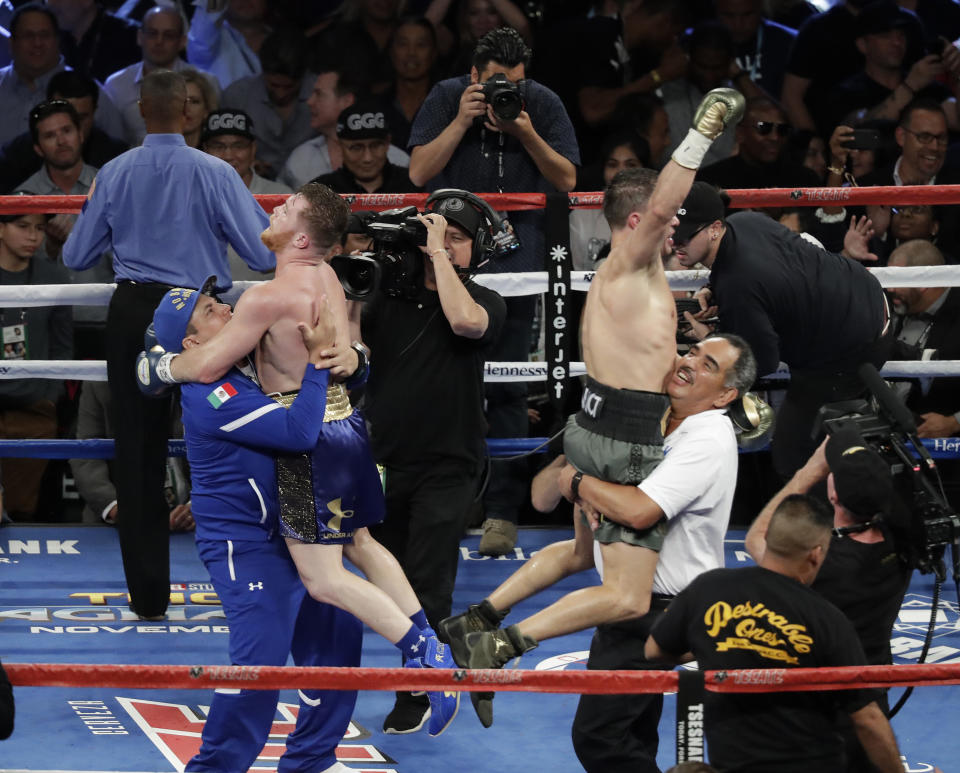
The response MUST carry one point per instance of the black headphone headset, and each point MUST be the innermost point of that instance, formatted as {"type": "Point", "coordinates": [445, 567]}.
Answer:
{"type": "Point", "coordinates": [494, 238]}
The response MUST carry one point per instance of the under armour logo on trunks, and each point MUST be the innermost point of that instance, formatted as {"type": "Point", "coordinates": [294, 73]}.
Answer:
{"type": "Point", "coordinates": [591, 403]}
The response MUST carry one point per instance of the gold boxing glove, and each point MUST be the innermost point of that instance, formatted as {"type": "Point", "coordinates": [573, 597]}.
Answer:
{"type": "Point", "coordinates": [753, 420]}
{"type": "Point", "coordinates": [718, 109]}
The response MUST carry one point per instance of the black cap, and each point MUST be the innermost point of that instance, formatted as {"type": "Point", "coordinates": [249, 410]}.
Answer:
{"type": "Point", "coordinates": [703, 205]}
{"type": "Point", "coordinates": [863, 481]}
{"type": "Point", "coordinates": [228, 122]}
{"type": "Point", "coordinates": [459, 211]}
{"type": "Point", "coordinates": [881, 16]}
{"type": "Point", "coordinates": [364, 120]}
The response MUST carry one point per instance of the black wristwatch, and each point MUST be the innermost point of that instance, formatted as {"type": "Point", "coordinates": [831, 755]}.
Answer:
{"type": "Point", "coordinates": [575, 485]}
{"type": "Point", "coordinates": [363, 356]}
{"type": "Point", "coordinates": [359, 377]}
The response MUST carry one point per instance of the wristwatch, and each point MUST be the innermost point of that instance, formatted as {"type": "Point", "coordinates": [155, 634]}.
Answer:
{"type": "Point", "coordinates": [575, 484]}
{"type": "Point", "coordinates": [363, 357]}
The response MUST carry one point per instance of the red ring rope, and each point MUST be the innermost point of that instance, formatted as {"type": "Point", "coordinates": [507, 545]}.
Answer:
{"type": "Point", "coordinates": [746, 197]}
{"type": "Point", "coordinates": [509, 680]}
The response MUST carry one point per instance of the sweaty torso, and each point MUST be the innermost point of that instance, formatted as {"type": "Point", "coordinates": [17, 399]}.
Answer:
{"type": "Point", "coordinates": [296, 291]}
{"type": "Point", "coordinates": [630, 326]}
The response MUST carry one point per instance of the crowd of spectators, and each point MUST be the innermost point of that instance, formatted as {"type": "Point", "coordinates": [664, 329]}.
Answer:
{"type": "Point", "coordinates": [384, 96]}
{"type": "Point", "coordinates": [347, 92]}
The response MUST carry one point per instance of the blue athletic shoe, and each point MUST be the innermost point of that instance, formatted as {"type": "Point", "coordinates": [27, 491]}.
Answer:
{"type": "Point", "coordinates": [444, 705]}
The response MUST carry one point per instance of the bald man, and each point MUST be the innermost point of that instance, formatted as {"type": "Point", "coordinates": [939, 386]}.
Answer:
{"type": "Point", "coordinates": [767, 617]}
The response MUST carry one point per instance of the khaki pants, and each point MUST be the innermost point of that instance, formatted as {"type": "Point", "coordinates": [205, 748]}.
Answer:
{"type": "Point", "coordinates": [22, 477]}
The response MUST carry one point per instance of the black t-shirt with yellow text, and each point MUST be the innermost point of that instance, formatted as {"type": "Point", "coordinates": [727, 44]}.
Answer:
{"type": "Point", "coordinates": [756, 618]}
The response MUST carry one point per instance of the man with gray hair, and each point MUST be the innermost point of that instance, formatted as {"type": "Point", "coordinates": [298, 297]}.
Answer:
{"type": "Point", "coordinates": [693, 489]}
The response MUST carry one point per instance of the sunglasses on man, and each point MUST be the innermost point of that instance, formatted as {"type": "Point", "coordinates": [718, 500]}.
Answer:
{"type": "Point", "coordinates": [765, 127]}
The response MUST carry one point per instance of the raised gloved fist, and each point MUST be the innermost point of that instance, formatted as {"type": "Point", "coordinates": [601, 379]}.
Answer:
{"type": "Point", "coordinates": [718, 109]}
{"type": "Point", "coordinates": [149, 365]}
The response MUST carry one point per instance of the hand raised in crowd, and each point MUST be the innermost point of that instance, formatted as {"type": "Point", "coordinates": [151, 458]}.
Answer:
{"type": "Point", "coordinates": [924, 72]}
{"type": "Point", "coordinates": [856, 243]}
{"type": "Point", "coordinates": [950, 56]}
{"type": "Point", "coordinates": [673, 64]}
{"type": "Point", "coordinates": [880, 216]}
{"type": "Point", "coordinates": [472, 105]}
{"type": "Point", "coordinates": [839, 153]}
{"type": "Point", "coordinates": [937, 425]}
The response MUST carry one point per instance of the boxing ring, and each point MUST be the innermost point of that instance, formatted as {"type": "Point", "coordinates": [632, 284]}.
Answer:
{"type": "Point", "coordinates": [120, 694]}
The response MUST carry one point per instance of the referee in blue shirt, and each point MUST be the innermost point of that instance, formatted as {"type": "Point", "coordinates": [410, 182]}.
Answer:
{"type": "Point", "coordinates": [167, 212]}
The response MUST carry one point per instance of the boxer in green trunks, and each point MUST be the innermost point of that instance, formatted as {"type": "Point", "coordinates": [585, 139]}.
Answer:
{"type": "Point", "coordinates": [629, 348]}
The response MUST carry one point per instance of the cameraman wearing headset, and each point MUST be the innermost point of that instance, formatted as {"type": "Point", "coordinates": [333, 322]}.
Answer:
{"type": "Point", "coordinates": [424, 404]}
{"type": "Point", "coordinates": [863, 574]}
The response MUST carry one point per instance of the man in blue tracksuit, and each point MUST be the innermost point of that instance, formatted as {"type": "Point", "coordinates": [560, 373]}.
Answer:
{"type": "Point", "coordinates": [233, 434]}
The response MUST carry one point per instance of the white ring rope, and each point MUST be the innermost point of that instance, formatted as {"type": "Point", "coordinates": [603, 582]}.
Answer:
{"type": "Point", "coordinates": [528, 283]}
{"type": "Point", "coordinates": [508, 285]}
{"type": "Point", "coordinates": [96, 370]}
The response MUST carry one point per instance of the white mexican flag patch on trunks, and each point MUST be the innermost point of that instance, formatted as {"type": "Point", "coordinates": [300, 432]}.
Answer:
{"type": "Point", "coordinates": [221, 394]}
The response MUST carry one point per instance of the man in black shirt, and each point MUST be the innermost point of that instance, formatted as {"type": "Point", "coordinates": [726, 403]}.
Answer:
{"type": "Point", "coordinates": [364, 140]}
{"type": "Point", "coordinates": [424, 402]}
{"type": "Point", "coordinates": [767, 617]}
{"type": "Point", "coordinates": [825, 53]}
{"type": "Point", "coordinates": [821, 313]}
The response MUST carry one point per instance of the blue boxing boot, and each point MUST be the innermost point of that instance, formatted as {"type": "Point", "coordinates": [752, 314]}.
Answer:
{"type": "Point", "coordinates": [443, 704]}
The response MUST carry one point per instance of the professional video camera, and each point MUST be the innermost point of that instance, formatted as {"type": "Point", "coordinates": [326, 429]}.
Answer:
{"type": "Point", "coordinates": [396, 263]}
{"type": "Point", "coordinates": [503, 96]}
{"type": "Point", "coordinates": [887, 426]}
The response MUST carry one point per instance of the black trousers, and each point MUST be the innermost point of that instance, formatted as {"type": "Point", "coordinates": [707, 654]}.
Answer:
{"type": "Point", "coordinates": [618, 733]}
{"type": "Point", "coordinates": [427, 510]}
{"type": "Point", "coordinates": [141, 430]}
{"type": "Point", "coordinates": [509, 487]}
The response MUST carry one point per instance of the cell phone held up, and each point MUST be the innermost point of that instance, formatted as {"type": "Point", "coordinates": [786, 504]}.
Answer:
{"type": "Point", "coordinates": [863, 139]}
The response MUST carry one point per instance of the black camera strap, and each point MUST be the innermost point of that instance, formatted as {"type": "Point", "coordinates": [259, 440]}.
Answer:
{"type": "Point", "coordinates": [483, 151]}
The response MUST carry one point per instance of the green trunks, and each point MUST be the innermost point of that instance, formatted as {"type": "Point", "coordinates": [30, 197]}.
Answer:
{"type": "Point", "coordinates": [617, 436]}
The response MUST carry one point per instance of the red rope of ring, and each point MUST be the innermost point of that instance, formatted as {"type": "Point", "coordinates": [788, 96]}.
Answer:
{"type": "Point", "coordinates": [739, 199]}
{"type": "Point", "coordinates": [509, 680]}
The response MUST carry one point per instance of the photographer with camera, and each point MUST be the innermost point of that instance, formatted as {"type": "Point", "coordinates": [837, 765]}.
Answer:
{"type": "Point", "coordinates": [497, 130]}
{"type": "Point", "coordinates": [429, 336]}
{"type": "Point", "coordinates": [864, 574]}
